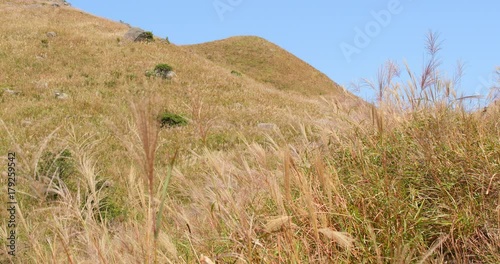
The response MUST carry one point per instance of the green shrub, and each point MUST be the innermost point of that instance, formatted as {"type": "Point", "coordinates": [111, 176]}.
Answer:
{"type": "Point", "coordinates": [45, 43]}
{"type": "Point", "coordinates": [145, 36]}
{"type": "Point", "coordinates": [237, 73]}
{"type": "Point", "coordinates": [148, 35]}
{"type": "Point", "coordinates": [171, 120]}
{"type": "Point", "coordinates": [163, 68]}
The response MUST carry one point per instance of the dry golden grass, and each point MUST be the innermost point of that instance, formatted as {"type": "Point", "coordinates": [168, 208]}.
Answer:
{"type": "Point", "coordinates": [98, 183]}
{"type": "Point", "coordinates": [267, 63]}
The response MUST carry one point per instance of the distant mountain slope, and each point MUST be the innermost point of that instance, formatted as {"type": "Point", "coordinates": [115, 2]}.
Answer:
{"type": "Point", "coordinates": [88, 60]}
{"type": "Point", "coordinates": [267, 63]}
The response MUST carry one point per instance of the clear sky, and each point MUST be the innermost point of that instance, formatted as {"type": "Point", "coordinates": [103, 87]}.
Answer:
{"type": "Point", "coordinates": [347, 40]}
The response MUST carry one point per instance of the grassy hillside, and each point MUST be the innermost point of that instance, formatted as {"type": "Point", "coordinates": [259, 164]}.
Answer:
{"type": "Point", "coordinates": [267, 63]}
{"type": "Point", "coordinates": [262, 167]}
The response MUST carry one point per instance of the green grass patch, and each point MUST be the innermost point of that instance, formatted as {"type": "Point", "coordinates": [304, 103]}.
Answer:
{"type": "Point", "coordinates": [168, 119]}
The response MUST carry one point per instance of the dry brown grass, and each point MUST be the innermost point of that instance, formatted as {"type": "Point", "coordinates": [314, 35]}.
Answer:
{"type": "Point", "coordinates": [266, 62]}
{"type": "Point", "coordinates": [419, 183]}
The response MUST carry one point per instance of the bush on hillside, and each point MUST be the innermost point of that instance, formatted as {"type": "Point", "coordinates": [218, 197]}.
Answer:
{"type": "Point", "coordinates": [45, 43]}
{"type": "Point", "coordinates": [168, 119]}
{"type": "Point", "coordinates": [236, 73]}
{"type": "Point", "coordinates": [163, 68]}
{"type": "Point", "coordinates": [145, 36]}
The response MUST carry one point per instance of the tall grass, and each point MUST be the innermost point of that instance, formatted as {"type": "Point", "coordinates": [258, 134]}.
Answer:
{"type": "Point", "coordinates": [147, 131]}
{"type": "Point", "coordinates": [417, 184]}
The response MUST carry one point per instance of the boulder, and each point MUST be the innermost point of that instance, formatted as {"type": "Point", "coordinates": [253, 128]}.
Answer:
{"type": "Point", "coordinates": [165, 74]}
{"type": "Point", "coordinates": [170, 75]}
{"type": "Point", "coordinates": [58, 3]}
{"type": "Point", "coordinates": [9, 91]}
{"type": "Point", "coordinates": [51, 34]}
{"type": "Point", "coordinates": [41, 56]}
{"type": "Point", "coordinates": [136, 34]}
{"type": "Point", "coordinates": [61, 96]}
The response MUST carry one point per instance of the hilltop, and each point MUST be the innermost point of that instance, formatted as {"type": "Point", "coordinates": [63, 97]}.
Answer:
{"type": "Point", "coordinates": [268, 63]}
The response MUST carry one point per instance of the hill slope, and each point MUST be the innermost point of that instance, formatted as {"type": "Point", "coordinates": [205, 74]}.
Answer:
{"type": "Point", "coordinates": [270, 166]}
{"type": "Point", "coordinates": [267, 63]}
{"type": "Point", "coordinates": [69, 147]}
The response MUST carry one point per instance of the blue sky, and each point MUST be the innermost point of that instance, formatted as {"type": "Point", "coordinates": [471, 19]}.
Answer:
{"type": "Point", "coordinates": [347, 40]}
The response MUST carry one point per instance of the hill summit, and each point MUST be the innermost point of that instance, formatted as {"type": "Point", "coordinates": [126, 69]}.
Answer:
{"type": "Point", "coordinates": [268, 63]}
